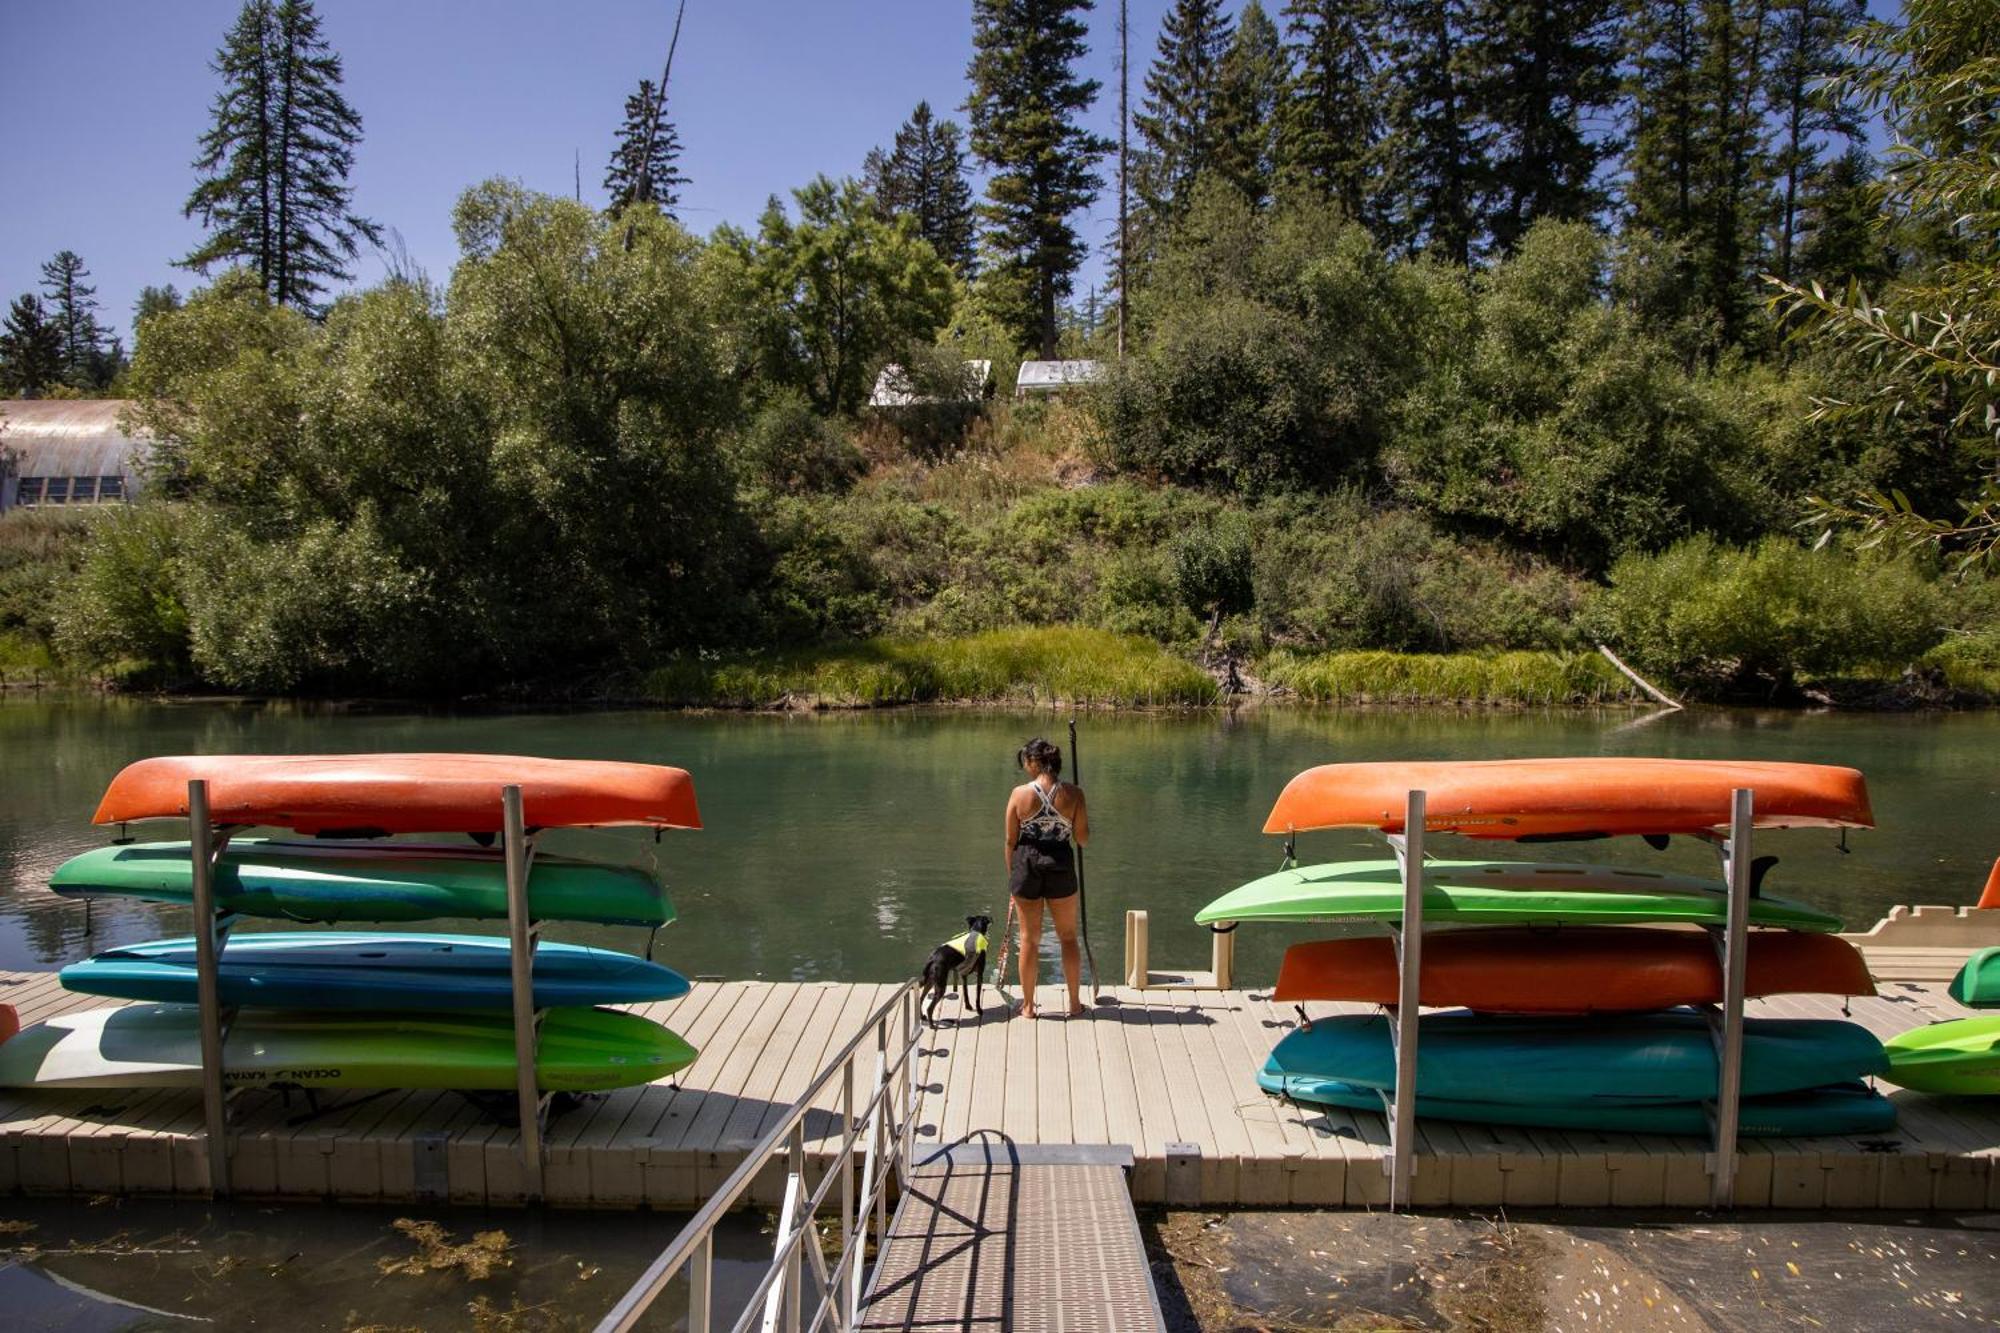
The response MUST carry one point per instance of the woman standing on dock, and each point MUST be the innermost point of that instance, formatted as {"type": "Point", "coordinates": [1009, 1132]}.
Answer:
{"type": "Point", "coordinates": [1046, 822]}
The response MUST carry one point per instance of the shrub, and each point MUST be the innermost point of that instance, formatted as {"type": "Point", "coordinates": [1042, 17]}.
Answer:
{"type": "Point", "coordinates": [1756, 619]}
{"type": "Point", "coordinates": [791, 449]}
{"type": "Point", "coordinates": [1529, 678]}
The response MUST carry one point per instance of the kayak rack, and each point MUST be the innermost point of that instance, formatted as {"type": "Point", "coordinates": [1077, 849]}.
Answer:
{"type": "Point", "coordinates": [799, 1265]}
{"type": "Point", "coordinates": [207, 841]}
{"type": "Point", "coordinates": [1725, 1021]}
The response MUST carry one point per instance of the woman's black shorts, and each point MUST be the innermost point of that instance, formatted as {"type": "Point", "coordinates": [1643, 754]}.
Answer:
{"type": "Point", "coordinates": [1043, 871]}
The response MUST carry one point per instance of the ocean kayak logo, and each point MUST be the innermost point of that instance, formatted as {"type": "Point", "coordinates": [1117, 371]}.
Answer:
{"type": "Point", "coordinates": [274, 1076]}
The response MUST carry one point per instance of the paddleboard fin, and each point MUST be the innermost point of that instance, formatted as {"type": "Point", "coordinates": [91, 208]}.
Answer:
{"type": "Point", "coordinates": [1758, 869]}
{"type": "Point", "coordinates": [1657, 841]}
{"type": "Point", "coordinates": [1991, 897]}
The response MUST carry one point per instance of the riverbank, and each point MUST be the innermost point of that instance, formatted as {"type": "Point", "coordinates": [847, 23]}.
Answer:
{"type": "Point", "coordinates": [1522, 1273]}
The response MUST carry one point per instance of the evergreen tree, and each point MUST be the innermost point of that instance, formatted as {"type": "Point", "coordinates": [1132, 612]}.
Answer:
{"type": "Point", "coordinates": [1025, 102]}
{"type": "Point", "coordinates": [1330, 119]}
{"type": "Point", "coordinates": [72, 305]}
{"type": "Point", "coordinates": [924, 176]}
{"type": "Point", "coordinates": [1250, 88]}
{"type": "Point", "coordinates": [643, 162]}
{"type": "Point", "coordinates": [155, 301]}
{"type": "Point", "coordinates": [274, 161]}
{"type": "Point", "coordinates": [1807, 49]}
{"type": "Point", "coordinates": [1541, 73]}
{"type": "Point", "coordinates": [1839, 226]}
{"type": "Point", "coordinates": [31, 349]}
{"type": "Point", "coordinates": [1431, 156]}
{"type": "Point", "coordinates": [1177, 120]}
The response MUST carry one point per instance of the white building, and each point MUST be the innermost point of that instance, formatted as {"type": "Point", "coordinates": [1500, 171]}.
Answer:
{"type": "Point", "coordinates": [66, 451]}
{"type": "Point", "coordinates": [893, 387]}
{"type": "Point", "coordinates": [1056, 376]}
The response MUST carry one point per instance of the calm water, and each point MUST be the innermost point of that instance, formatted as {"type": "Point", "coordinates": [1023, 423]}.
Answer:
{"type": "Point", "coordinates": [846, 846]}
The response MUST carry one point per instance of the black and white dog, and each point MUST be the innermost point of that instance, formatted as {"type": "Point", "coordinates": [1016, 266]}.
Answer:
{"type": "Point", "coordinates": [962, 957]}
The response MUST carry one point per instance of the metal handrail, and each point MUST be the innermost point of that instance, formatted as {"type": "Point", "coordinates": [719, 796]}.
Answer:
{"type": "Point", "coordinates": [890, 1125]}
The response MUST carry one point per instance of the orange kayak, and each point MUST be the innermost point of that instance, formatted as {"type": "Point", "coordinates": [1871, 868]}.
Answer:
{"type": "Point", "coordinates": [1580, 970]}
{"type": "Point", "coordinates": [402, 793]}
{"type": "Point", "coordinates": [1567, 798]}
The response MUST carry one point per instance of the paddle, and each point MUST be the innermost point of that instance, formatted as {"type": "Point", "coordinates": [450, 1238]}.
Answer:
{"type": "Point", "coordinates": [1082, 903]}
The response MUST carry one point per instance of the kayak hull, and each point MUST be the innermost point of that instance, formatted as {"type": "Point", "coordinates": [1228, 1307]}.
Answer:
{"type": "Point", "coordinates": [1574, 970]}
{"type": "Point", "coordinates": [1492, 893]}
{"type": "Point", "coordinates": [159, 1046]}
{"type": "Point", "coordinates": [402, 793]}
{"type": "Point", "coordinates": [1570, 798]}
{"type": "Point", "coordinates": [1844, 1108]}
{"type": "Point", "coordinates": [334, 881]}
{"type": "Point", "coordinates": [1614, 1061]}
{"type": "Point", "coordinates": [348, 970]}
{"type": "Point", "coordinates": [1956, 1058]}
{"type": "Point", "coordinates": [1977, 985]}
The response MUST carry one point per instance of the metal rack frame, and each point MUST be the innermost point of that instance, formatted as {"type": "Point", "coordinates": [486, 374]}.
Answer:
{"type": "Point", "coordinates": [206, 843]}
{"type": "Point", "coordinates": [1725, 1021]}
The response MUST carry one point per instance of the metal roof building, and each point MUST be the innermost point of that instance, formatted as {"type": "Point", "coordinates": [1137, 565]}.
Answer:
{"type": "Point", "coordinates": [1055, 376]}
{"type": "Point", "coordinates": [65, 451]}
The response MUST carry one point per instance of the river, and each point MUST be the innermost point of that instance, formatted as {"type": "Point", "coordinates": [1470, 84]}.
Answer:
{"type": "Point", "coordinates": [845, 846]}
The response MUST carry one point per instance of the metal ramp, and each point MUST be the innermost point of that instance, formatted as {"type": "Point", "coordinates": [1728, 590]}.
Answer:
{"type": "Point", "coordinates": [1015, 1238]}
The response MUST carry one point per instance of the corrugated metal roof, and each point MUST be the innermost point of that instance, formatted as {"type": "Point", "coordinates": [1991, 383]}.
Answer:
{"type": "Point", "coordinates": [892, 388]}
{"type": "Point", "coordinates": [68, 437]}
{"type": "Point", "coordinates": [1040, 376]}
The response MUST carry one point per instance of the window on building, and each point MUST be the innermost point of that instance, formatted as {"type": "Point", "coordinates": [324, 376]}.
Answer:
{"type": "Point", "coordinates": [30, 492]}
{"type": "Point", "coordinates": [82, 490]}
{"type": "Point", "coordinates": [56, 491]}
{"type": "Point", "coordinates": [111, 488]}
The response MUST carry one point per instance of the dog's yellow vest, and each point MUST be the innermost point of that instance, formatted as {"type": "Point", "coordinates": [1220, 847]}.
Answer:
{"type": "Point", "coordinates": [971, 943]}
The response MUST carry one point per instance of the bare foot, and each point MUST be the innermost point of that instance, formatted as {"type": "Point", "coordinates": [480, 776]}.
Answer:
{"type": "Point", "coordinates": [1028, 1011]}
{"type": "Point", "coordinates": [1076, 1011]}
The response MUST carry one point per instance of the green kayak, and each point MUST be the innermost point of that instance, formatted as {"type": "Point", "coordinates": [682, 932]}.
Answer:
{"type": "Point", "coordinates": [368, 881]}
{"type": "Point", "coordinates": [159, 1046]}
{"type": "Point", "coordinates": [1491, 893]}
{"type": "Point", "coordinates": [1977, 985]}
{"type": "Point", "coordinates": [1960, 1057]}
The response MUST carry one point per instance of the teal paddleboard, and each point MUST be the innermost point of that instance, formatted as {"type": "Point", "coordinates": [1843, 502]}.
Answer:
{"type": "Point", "coordinates": [1843, 1108]}
{"type": "Point", "coordinates": [1628, 1060]}
{"type": "Point", "coordinates": [375, 880]}
{"type": "Point", "coordinates": [1498, 893]}
{"type": "Point", "coordinates": [350, 970]}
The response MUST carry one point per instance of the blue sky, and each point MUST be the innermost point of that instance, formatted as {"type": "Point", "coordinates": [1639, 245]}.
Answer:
{"type": "Point", "coordinates": [103, 100]}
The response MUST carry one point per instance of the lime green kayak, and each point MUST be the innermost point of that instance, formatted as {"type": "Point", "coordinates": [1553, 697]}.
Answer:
{"type": "Point", "coordinates": [159, 1046]}
{"type": "Point", "coordinates": [1977, 985]}
{"type": "Point", "coordinates": [368, 881]}
{"type": "Point", "coordinates": [1497, 893]}
{"type": "Point", "coordinates": [1960, 1057]}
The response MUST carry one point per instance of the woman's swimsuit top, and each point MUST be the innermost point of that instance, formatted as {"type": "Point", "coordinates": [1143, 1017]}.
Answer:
{"type": "Point", "coordinates": [1047, 825]}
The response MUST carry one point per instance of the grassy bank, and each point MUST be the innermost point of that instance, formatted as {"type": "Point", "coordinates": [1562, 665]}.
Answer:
{"type": "Point", "coordinates": [1072, 665]}
{"type": "Point", "coordinates": [1011, 665]}
{"type": "Point", "coordinates": [1535, 679]}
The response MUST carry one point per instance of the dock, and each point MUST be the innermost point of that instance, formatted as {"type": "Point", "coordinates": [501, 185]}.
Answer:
{"type": "Point", "coordinates": [1168, 1072]}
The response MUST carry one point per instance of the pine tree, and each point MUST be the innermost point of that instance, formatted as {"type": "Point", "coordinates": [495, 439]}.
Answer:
{"type": "Point", "coordinates": [1807, 49]}
{"type": "Point", "coordinates": [72, 306]}
{"type": "Point", "coordinates": [643, 162]}
{"type": "Point", "coordinates": [31, 349]}
{"type": "Point", "coordinates": [1541, 73]}
{"type": "Point", "coordinates": [274, 161]}
{"type": "Point", "coordinates": [1177, 120]}
{"type": "Point", "coordinates": [1250, 88]}
{"type": "Point", "coordinates": [1025, 103]}
{"type": "Point", "coordinates": [1840, 236]}
{"type": "Point", "coordinates": [1432, 158]}
{"type": "Point", "coordinates": [924, 175]}
{"type": "Point", "coordinates": [1330, 119]}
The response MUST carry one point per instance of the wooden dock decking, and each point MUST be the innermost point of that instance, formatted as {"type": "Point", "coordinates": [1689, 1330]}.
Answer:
{"type": "Point", "coordinates": [1168, 1072]}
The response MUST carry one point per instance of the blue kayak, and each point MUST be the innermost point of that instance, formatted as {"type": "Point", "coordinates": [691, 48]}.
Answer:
{"type": "Point", "coordinates": [1632, 1060]}
{"type": "Point", "coordinates": [359, 970]}
{"type": "Point", "coordinates": [1843, 1108]}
